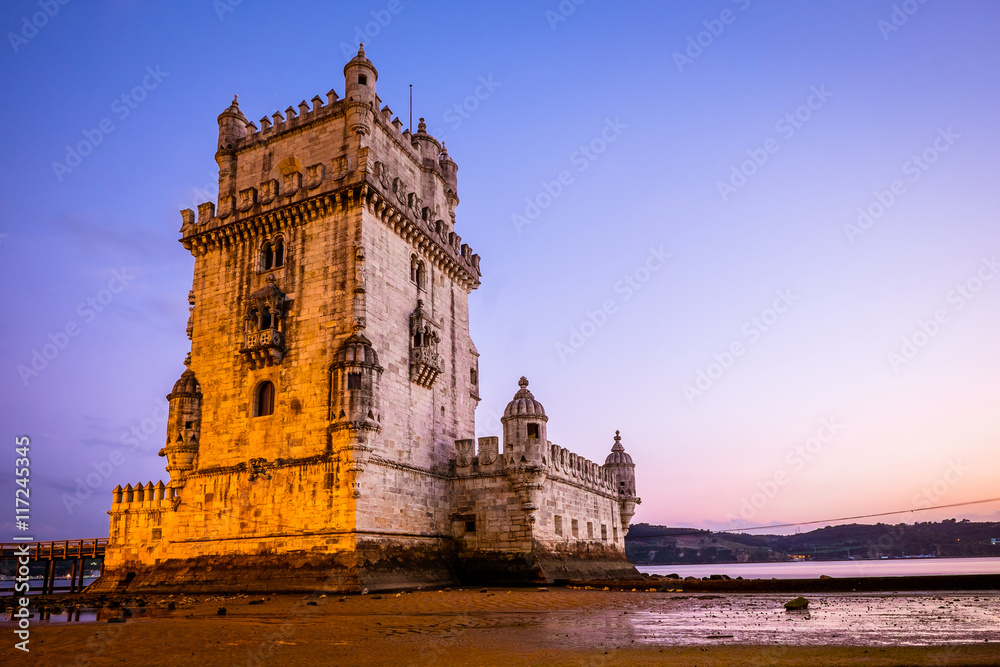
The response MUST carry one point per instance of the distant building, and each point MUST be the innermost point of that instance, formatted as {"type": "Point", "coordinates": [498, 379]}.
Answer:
{"type": "Point", "coordinates": [322, 434]}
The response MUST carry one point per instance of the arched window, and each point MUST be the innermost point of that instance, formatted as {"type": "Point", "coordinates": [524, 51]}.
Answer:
{"type": "Point", "coordinates": [266, 257]}
{"type": "Point", "coordinates": [253, 320]}
{"type": "Point", "coordinates": [413, 268]}
{"type": "Point", "coordinates": [420, 275]}
{"type": "Point", "coordinates": [279, 252]}
{"type": "Point", "coordinates": [265, 320]}
{"type": "Point", "coordinates": [264, 403]}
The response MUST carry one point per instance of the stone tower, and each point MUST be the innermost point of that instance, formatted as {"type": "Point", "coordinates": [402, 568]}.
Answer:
{"type": "Point", "coordinates": [321, 434]}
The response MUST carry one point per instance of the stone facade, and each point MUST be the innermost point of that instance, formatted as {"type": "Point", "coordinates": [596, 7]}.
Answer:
{"type": "Point", "coordinates": [320, 436]}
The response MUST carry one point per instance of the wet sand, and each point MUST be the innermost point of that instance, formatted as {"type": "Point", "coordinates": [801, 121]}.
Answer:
{"type": "Point", "coordinates": [528, 627]}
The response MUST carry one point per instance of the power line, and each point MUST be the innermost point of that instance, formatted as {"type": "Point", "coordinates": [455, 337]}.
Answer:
{"type": "Point", "coordinates": [811, 523]}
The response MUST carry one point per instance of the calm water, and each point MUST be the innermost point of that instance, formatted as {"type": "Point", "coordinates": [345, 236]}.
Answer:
{"type": "Point", "coordinates": [846, 568]}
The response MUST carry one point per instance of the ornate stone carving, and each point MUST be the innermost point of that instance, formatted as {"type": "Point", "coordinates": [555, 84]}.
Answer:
{"type": "Point", "coordinates": [425, 362]}
{"type": "Point", "coordinates": [268, 191]}
{"type": "Point", "coordinates": [248, 199]}
{"type": "Point", "coordinates": [264, 338]}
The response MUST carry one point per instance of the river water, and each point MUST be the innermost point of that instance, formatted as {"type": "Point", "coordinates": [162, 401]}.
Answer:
{"type": "Point", "coordinates": [845, 568]}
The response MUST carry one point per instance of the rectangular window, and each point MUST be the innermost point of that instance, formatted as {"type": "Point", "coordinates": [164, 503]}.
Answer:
{"type": "Point", "coordinates": [473, 376]}
{"type": "Point", "coordinates": [558, 524]}
{"type": "Point", "coordinates": [604, 533]}
{"type": "Point", "coordinates": [590, 530]}
{"type": "Point", "coordinates": [157, 533]}
{"type": "Point", "coordinates": [616, 535]}
{"type": "Point", "coordinates": [354, 380]}
{"type": "Point", "coordinates": [532, 430]}
{"type": "Point", "coordinates": [470, 525]}
{"type": "Point", "coordinates": [575, 527]}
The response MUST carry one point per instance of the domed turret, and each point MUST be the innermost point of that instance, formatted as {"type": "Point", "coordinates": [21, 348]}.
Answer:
{"type": "Point", "coordinates": [524, 435]}
{"type": "Point", "coordinates": [183, 427]}
{"type": "Point", "coordinates": [449, 170]}
{"type": "Point", "coordinates": [354, 381]}
{"type": "Point", "coordinates": [360, 76]}
{"type": "Point", "coordinates": [232, 127]}
{"type": "Point", "coordinates": [620, 464]}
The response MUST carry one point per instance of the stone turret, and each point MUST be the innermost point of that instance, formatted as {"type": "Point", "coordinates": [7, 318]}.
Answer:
{"type": "Point", "coordinates": [524, 436]}
{"type": "Point", "coordinates": [355, 416]}
{"type": "Point", "coordinates": [449, 170]}
{"type": "Point", "coordinates": [620, 464]}
{"type": "Point", "coordinates": [360, 76]}
{"type": "Point", "coordinates": [183, 427]}
{"type": "Point", "coordinates": [233, 126]}
{"type": "Point", "coordinates": [524, 447]}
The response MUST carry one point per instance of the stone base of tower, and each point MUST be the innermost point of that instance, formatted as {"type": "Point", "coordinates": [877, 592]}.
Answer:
{"type": "Point", "coordinates": [376, 565]}
{"type": "Point", "coordinates": [545, 565]}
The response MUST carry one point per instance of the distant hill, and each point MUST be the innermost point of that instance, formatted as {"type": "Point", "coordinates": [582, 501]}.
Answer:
{"type": "Point", "coordinates": [647, 544]}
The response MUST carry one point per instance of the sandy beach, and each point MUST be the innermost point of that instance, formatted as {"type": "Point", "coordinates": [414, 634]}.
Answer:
{"type": "Point", "coordinates": [559, 626]}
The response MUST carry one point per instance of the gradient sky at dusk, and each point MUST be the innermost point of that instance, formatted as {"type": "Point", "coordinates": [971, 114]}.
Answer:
{"type": "Point", "coordinates": [517, 89]}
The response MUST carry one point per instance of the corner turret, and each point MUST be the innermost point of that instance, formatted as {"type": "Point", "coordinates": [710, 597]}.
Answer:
{"type": "Point", "coordinates": [620, 464]}
{"type": "Point", "coordinates": [232, 127]}
{"type": "Point", "coordinates": [183, 427]}
{"type": "Point", "coordinates": [524, 436]}
{"type": "Point", "coordinates": [360, 76]}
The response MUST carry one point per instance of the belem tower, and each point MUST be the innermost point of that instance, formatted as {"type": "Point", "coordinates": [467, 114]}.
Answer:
{"type": "Point", "coordinates": [322, 434]}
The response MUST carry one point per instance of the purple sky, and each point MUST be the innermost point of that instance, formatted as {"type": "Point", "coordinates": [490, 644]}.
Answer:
{"type": "Point", "coordinates": [709, 225]}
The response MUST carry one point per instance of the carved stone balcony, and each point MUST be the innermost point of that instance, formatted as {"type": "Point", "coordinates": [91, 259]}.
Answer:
{"type": "Point", "coordinates": [263, 348]}
{"type": "Point", "coordinates": [425, 366]}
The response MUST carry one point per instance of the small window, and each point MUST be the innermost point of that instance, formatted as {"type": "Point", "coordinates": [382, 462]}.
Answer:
{"type": "Point", "coordinates": [420, 275]}
{"type": "Point", "coordinates": [575, 528]}
{"type": "Point", "coordinates": [354, 380]}
{"type": "Point", "coordinates": [279, 253]}
{"type": "Point", "coordinates": [604, 533]}
{"type": "Point", "coordinates": [473, 376]}
{"type": "Point", "coordinates": [157, 533]}
{"type": "Point", "coordinates": [558, 524]}
{"type": "Point", "coordinates": [532, 430]}
{"type": "Point", "coordinates": [266, 257]}
{"type": "Point", "coordinates": [442, 411]}
{"type": "Point", "coordinates": [188, 424]}
{"type": "Point", "coordinates": [590, 530]}
{"type": "Point", "coordinates": [470, 525]}
{"type": "Point", "coordinates": [362, 79]}
{"type": "Point", "coordinates": [264, 405]}
{"type": "Point", "coordinates": [615, 532]}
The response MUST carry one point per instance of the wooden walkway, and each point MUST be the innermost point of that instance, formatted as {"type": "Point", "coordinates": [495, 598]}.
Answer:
{"type": "Point", "coordinates": [76, 551]}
